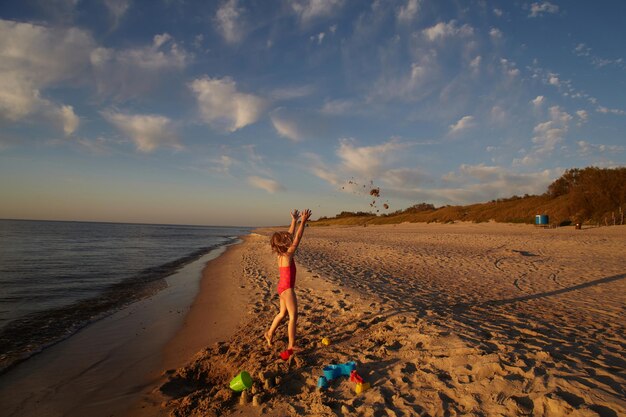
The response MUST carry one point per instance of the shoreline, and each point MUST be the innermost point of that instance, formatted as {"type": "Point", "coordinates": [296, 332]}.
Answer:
{"type": "Point", "coordinates": [105, 367]}
{"type": "Point", "coordinates": [219, 287]}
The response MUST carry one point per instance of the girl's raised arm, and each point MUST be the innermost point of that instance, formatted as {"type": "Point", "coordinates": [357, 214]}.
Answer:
{"type": "Point", "coordinates": [296, 240]}
{"type": "Point", "coordinates": [295, 214]}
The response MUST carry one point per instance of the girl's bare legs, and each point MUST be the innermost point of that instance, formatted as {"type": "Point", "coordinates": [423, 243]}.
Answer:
{"type": "Point", "coordinates": [289, 296]}
{"type": "Point", "coordinates": [281, 314]}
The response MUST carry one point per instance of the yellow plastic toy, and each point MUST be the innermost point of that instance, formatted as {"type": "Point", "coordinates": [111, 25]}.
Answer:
{"type": "Point", "coordinates": [361, 387]}
{"type": "Point", "coordinates": [325, 341]}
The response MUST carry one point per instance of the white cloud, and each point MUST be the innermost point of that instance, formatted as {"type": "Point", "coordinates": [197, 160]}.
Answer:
{"type": "Point", "coordinates": [117, 9]}
{"type": "Point", "coordinates": [583, 116]}
{"type": "Point", "coordinates": [554, 80]}
{"type": "Point", "coordinates": [475, 63]}
{"type": "Point", "coordinates": [408, 11]}
{"type": "Point", "coordinates": [33, 58]}
{"type": "Point", "coordinates": [286, 127]}
{"type": "Point", "coordinates": [469, 184]}
{"type": "Point", "coordinates": [464, 123]}
{"type": "Point", "coordinates": [538, 9]}
{"type": "Point", "coordinates": [18, 98]}
{"type": "Point", "coordinates": [69, 120]}
{"type": "Point", "coordinates": [588, 149]}
{"type": "Point", "coordinates": [156, 57]}
{"type": "Point", "coordinates": [444, 30]}
{"type": "Point", "coordinates": [547, 136]}
{"type": "Point", "coordinates": [368, 161]}
{"type": "Point", "coordinates": [419, 81]}
{"type": "Point", "coordinates": [147, 131]}
{"type": "Point", "coordinates": [483, 183]}
{"type": "Point", "coordinates": [509, 68]}
{"type": "Point", "coordinates": [538, 101]}
{"type": "Point", "coordinates": [495, 33]}
{"type": "Point", "coordinates": [363, 162]}
{"type": "Point", "coordinates": [222, 106]}
{"type": "Point", "coordinates": [565, 87]}
{"type": "Point", "coordinates": [228, 21]}
{"type": "Point", "coordinates": [308, 10]}
{"type": "Point", "coordinates": [583, 50]}
{"type": "Point", "coordinates": [498, 12]}
{"type": "Point", "coordinates": [130, 72]}
{"type": "Point", "coordinates": [160, 40]}
{"type": "Point", "coordinates": [266, 184]}
{"type": "Point", "coordinates": [319, 38]}
{"type": "Point", "coordinates": [223, 164]}
{"type": "Point", "coordinates": [476, 183]}
{"type": "Point", "coordinates": [606, 110]}
{"type": "Point", "coordinates": [481, 172]}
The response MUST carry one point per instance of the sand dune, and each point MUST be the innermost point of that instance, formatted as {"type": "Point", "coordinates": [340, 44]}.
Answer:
{"type": "Point", "coordinates": [442, 320]}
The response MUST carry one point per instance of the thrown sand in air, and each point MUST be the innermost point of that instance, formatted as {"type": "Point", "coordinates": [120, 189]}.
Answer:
{"type": "Point", "coordinates": [442, 320]}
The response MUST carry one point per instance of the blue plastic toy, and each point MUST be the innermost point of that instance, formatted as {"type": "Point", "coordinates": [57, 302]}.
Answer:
{"type": "Point", "coordinates": [335, 371]}
{"type": "Point", "coordinates": [322, 382]}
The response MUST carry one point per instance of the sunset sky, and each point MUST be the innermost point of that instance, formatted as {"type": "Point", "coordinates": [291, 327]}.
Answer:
{"type": "Point", "coordinates": [233, 112]}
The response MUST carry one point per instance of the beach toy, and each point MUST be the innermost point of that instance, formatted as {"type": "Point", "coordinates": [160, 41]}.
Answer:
{"type": "Point", "coordinates": [335, 371]}
{"type": "Point", "coordinates": [361, 387]}
{"type": "Point", "coordinates": [241, 382]}
{"type": "Point", "coordinates": [347, 368]}
{"type": "Point", "coordinates": [355, 377]}
{"type": "Point", "coordinates": [322, 382]}
{"type": "Point", "coordinates": [325, 341]}
{"type": "Point", "coordinates": [286, 354]}
{"type": "Point", "coordinates": [331, 372]}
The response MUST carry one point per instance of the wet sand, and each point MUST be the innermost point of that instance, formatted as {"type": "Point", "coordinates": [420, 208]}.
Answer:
{"type": "Point", "coordinates": [463, 319]}
{"type": "Point", "coordinates": [219, 307]}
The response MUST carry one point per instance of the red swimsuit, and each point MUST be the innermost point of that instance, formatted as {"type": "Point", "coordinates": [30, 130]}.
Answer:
{"type": "Point", "coordinates": [287, 276]}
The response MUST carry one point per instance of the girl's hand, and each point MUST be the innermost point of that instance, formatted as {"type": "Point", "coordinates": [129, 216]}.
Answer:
{"type": "Point", "coordinates": [295, 214]}
{"type": "Point", "coordinates": [306, 213]}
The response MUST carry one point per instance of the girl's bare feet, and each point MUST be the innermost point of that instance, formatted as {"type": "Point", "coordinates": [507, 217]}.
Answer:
{"type": "Point", "coordinates": [268, 338]}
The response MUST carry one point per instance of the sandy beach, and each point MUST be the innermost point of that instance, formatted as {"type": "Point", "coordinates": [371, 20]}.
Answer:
{"type": "Point", "coordinates": [463, 319]}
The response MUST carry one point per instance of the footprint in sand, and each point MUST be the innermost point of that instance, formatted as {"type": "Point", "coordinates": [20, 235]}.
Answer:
{"type": "Point", "coordinates": [520, 281]}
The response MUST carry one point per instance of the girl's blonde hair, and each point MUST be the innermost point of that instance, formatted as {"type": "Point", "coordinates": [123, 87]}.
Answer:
{"type": "Point", "coordinates": [281, 242]}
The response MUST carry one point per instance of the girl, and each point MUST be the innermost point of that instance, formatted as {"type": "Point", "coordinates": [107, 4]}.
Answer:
{"type": "Point", "coordinates": [285, 245]}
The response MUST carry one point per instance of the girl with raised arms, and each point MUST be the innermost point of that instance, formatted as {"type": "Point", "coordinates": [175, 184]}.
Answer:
{"type": "Point", "coordinates": [284, 244]}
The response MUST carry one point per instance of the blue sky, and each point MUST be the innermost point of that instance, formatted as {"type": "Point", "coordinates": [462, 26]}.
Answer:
{"type": "Point", "coordinates": [234, 112]}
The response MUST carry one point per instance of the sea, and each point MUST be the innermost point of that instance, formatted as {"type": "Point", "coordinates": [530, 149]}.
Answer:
{"type": "Point", "coordinates": [57, 277]}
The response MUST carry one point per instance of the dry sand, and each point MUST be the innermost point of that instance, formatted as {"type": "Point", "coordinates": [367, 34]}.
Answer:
{"type": "Point", "coordinates": [464, 319]}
